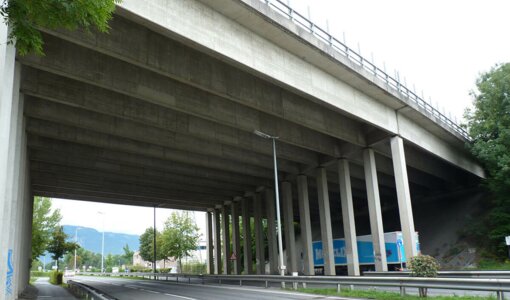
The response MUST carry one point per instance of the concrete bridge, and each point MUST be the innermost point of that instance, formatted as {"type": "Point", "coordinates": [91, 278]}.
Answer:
{"type": "Point", "coordinates": [161, 112]}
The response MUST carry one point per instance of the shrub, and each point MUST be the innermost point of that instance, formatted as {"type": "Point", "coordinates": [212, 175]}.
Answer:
{"type": "Point", "coordinates": [56, 277]}
{"type": "Point", "coordinates": [423, 266]}
{"type": "Point", "coordinates": [194, 268]}
{"type": "Point", "coordinates": [39, 274]}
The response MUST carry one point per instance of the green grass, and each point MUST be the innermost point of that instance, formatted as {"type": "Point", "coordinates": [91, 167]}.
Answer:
{"type": "Point", "coordinates": [121, 277]}
{"type": "Point", "coordinates": [381, 295]}
{"type": "Point", "coordinates": [493, 265]}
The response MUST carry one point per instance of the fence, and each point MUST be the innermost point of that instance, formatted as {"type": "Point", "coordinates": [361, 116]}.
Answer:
{"type": "Point", "coordinates": [499, 286]}
{"type": "Point", "coordinates": [356, 58]}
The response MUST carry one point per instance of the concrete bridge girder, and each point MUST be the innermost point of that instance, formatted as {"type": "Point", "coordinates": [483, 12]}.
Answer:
{"type": "Point", "coordinates": [76, 73]}
{"type": "Point", "coordinates": [62, 151]}
{"type": "Point", "coordinates": [205, 72]}
{"type": "Point", "coordinates": [88, 137]}
{"type": "Point", "coordinates": [69, 116]}
{"type": "Point", "coordinates": [59, 89]}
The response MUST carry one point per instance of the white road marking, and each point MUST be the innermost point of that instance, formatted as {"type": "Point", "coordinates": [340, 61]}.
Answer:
{"type": "Point", "coordinates": [182, 297]}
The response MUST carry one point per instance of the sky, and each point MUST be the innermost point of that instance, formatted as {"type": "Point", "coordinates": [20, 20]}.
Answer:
{"type": "Point", "coordinates": [438, 46]}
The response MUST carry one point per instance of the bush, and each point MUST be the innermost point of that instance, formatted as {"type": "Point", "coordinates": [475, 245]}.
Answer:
{"type": "Point", "coordinates": [56, 277]}
{"type": "Point", "coordinates": [423, 266]}
{"type": "Point", "coordinates": [194, 268]}
{"type": "Point", "coordinates": [39, 274]}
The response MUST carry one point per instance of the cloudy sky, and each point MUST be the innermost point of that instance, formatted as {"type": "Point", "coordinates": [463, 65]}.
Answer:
{"type": "Point", "coordinates": [440, 47]}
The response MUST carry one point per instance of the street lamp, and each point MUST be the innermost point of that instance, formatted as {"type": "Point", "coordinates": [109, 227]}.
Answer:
{"type": "Point", "coordinates": [76, 241]}
{"type": "Point", "coordinates": [102, 243]}
{"type": "Point", "coordinates": [277, 195]}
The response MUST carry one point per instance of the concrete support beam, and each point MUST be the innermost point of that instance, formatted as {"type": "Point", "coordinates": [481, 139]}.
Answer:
{"type": "Point", "coordinates": [260, 259]}
{"type": "Point", "coordinates": [288, 104]}
{"type": "Point", "coordinates": [79, 154]}
{"type": "Point", "coordinates": [135, 130]}
{"type": "Point", "coordinates": [306, 226]}
{"type": "Point", "coordinates": [374, 210]}
{"type": "Point", "coordinates": [351, 246]}
{"type": "Point", "coordinates": [247, 242]}
{"type": "Point", "coordinates": [209, 241]}
{"type": "Point", "coordinates": [288, 217]}
{"type": "Point", "coordinates": [272, 243]}
{"type": "Point", "coordinates": [116, 143]}
{"type": "Point", "coordinates": [225, 230]}
{"type": "Point", "coordinates": [403, 196]}
{"type": "Point", "coordinates": [236, 235]}
{"type": "Point", "coordinates": [325, 221]}
{"type": "Point", "coordinates": [217, 242]}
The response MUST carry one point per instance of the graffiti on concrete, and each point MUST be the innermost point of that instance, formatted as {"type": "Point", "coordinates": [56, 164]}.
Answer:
{"type": "Point", "coordinates": [10, 273]}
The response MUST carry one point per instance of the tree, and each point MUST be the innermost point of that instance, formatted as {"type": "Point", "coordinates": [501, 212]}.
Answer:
{"type": "Point", "coordinates": [147, 245]}
{"type": "Point", "coordinates": [180, 236]}
{"type": "Point", "coordinates": [44, 223]}
{"type": "Point", "coordinates": [25, 17]}
{"type": "Point", "coordinates": [489, 127]}
{"type": "Point", "coordinates": [128, 255]}
{"type": "Point", "coordinates": [59, 246]}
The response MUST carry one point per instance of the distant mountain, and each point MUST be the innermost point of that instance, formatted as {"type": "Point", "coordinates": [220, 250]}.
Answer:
{"type": "Point", "coordinates": [90, 239]}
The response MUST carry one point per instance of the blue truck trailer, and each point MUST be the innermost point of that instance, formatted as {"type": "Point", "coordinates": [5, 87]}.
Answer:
{"type": "Point", "coordinates": [394, 245]}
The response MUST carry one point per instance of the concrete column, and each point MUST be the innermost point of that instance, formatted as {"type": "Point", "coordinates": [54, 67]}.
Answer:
{"type": "Point", "coordinates": [374, 210]}
{"type": "Point", "coordinates": [403, 196]}
{"type": "Point", "coordinates": [9, 89]}
{"type": "Point", "coordinates": [271, 231]}
{"type": "Point", "coordinates": [325, 221]}
{"type": "Point", "coordinates": [288, 216]}
{"type": "Point", "coordinates": [18, 195]}
{"type": "Point", "coordinates": [248, 260]}
{"type": "Point", "coordinates": [351, 246]}
{"type": "Point", "coordinates": [306, 225]}
{"type": "Point", "coordinates": [217, 242]}
{"type": "Point", "coordinates": [260, 259]}
{"type": "Point", "coordinates": [209, 238]}
{"type": "Point", "coordinates": [225, 229]}
{"type": "Point", "coordinates": [236, 244]}
{"type": "Point", "coordinates": [11, 112]}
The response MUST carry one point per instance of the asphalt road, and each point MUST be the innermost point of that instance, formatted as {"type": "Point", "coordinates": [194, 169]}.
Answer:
{"type": "Point", "coordinates": [127, 289]}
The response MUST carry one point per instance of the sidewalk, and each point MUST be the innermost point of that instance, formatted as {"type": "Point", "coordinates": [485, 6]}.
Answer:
{"type": "Point", "coordinates": [43, 289]}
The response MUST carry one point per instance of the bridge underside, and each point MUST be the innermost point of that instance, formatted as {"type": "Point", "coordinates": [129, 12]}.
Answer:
{"type": "Point", "coordinates": [144, 117]}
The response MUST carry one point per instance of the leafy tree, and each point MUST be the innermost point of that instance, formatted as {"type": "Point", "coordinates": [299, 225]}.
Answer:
{"type": "Point", "coordinates": [128, 255]}
{"type": "Point", "coordinates": [489, 127]}
{"type": "Point", "coordinates": [44, 223]}
{"type": "Point", "coordinates": [59, 246]}
{"type": "Point", "coordinates": [180, 236]}
{"type": "Point", "coordinates": [147, 245]}
{"type": "Point", "coordinates": [25, 17]}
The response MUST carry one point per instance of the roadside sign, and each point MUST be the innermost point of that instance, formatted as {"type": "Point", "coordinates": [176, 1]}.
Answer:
{"type": "Point", "coordinates": [507, 240]}
{"type": "Point", "coordinates": [233, 256]}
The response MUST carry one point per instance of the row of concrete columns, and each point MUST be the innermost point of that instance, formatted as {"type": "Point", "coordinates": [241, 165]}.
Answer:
{"type": "Point", "coordinates": [16, 201]}
{"type": "Point", "coordinates": [220, 237]}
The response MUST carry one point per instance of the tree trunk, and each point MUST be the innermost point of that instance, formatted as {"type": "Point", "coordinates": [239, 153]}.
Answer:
{"type": "Point", "coordinates": [423, 292]}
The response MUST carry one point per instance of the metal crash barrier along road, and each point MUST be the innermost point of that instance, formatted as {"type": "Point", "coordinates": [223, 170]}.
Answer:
{"type": "Point", "coordinates": [496, 285]}
{"type": "Point", "coordinates": [86, 292]}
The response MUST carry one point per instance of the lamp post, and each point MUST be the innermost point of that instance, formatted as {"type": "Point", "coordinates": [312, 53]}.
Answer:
{"type": "Point", "coordinates": [76, 241]}
{"type": "Point", "coordinates": [277, 195]}
{"type": "Point", "coordinates": [102, 243]}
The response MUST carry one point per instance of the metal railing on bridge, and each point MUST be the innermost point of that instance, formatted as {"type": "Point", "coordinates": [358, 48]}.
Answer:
{"type": "Point", "coordinates": [356, 58]}
{"type": "Point", "coordinates": [498, 286]}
